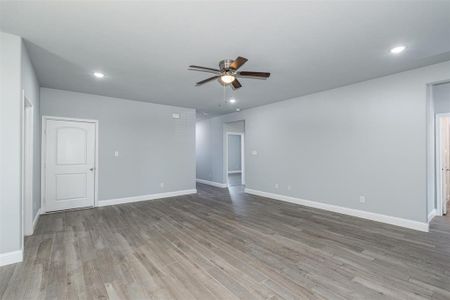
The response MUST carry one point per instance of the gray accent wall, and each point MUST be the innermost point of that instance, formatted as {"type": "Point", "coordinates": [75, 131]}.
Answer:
{"type": "Point", "coordinates": [153, 147]}
{"type": "Point", "coordinates": [10, 141]}
{"type": "Point", "coordinates": [366, 139]}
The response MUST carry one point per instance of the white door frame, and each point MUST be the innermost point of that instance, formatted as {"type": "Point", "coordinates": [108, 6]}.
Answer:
{"type": "Point", "coordinates": [242, 135]}
{"type": "Point", "coordinates": [439, 162]}
{"type": "Point", "coordinates": [44, 155]}
{"type": "Point", "coordinates": [27, 166]}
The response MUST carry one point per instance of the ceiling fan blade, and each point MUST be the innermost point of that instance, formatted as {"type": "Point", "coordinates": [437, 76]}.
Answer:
{"type": "Point", "coordinates": [203, 69]}
{"type": "Point", "coordinates": [236, 84]}
{"type": "Point", "coordinates": [206, 80]}
{"type": "Point", "coordinates": [261, 75]}
{"type": "Point", "coordinates": [238, 62]}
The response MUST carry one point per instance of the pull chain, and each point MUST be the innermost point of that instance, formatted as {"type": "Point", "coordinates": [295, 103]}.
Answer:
{"type": "Point", "coordinates": [224, 94]}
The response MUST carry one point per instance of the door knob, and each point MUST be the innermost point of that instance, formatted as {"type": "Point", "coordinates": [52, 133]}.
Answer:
{"type": "Point", "coordinates": [91, 169]}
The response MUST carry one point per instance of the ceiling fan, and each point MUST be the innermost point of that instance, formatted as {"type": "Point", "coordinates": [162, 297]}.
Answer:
{"type": "Point", "coordinates": [228, 72]}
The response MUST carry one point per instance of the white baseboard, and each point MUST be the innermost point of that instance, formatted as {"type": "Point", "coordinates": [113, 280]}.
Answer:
{"type": "Point", "coordinates": [416, 225]}
{"type": "Point", "coordinates": [11, 257]}
{"type": "Point", "coordinates": [235, 172]}
{"type": "Point", "coordinates": [145, 197]}
{"type": "Point", "coordinates": [213, 183]}
{"type": "Point", "coordinates": [432, 214]}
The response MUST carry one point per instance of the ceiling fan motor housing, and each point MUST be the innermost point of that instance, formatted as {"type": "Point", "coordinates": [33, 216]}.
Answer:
{"type": "Point", "coordinates": [225, 64]}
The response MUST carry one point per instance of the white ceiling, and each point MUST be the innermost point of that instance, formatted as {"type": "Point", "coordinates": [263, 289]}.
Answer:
{"type": "Point", "coordinates": [144, 48]}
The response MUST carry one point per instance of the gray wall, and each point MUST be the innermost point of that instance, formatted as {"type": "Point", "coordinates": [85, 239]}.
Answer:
{"type": "Point", "coordinates": [153, 147]}
{"type": "Point", "coordinates": [368, 138]}
{"type": "Point", "coordinates": [30, 86]}
{"type": "Point", "coordinates": [209, 151]}
{"type": "Point", "coordinates": [234, 153]}
{"type": "Point", "coordinates": [10, 140]}
{"type": "Point", "coordinates": [441, 98]}
{"type": "Point", "coordinates": [238, 126]}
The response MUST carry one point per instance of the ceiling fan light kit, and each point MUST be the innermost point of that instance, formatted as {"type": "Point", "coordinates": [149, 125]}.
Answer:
{"type": "Point", "coordinates": [227, 78]}
{"type": "Point", "coordinates": [228, 73]}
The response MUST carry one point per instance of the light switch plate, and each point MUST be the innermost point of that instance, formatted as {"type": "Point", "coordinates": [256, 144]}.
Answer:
{"type": "Point", "coordinates": [116, 153]}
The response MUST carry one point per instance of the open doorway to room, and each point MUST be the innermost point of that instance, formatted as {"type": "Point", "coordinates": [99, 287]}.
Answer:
{"type": "Point", "coordinates": [234, 153]}
{"type": "Point", "coordinates": [441, 110]}
{"type": "Point", "coordinates": [235, 159]}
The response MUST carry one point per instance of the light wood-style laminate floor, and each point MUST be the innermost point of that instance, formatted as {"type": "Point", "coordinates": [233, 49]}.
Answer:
{"type": "Point", "coordinates": [216, 245]}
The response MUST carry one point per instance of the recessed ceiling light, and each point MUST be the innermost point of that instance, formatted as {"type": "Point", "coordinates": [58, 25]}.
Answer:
{"type": "Point", "coordinates": [238, 109]}
{"type": "Point", "coordinates": [398, 49]}
{"type": "Point", "coordinates": [232, 101]}
{"type": "Point", "coordinates": [99, 74]}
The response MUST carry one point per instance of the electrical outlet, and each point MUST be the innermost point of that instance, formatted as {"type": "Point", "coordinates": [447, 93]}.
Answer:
{"type": "Point", "coordinates": [289, 188]}
{"type": "Point", "coordinates": [277, 185]}
{"type": "Point", "coordinates": [254, 152]}
{"type": "Point", "coordinates": [362, 199]}
{"type": "Point", "coordinates": [161, 184]}
{"type": "Point", "coordinates": [116, 153]}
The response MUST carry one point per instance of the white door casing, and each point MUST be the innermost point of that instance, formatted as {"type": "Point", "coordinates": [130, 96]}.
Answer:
{"type": "Point", "coordinates": [27, 166]}
{"type": "Point", "coordinates": [442, 162]}
{"type": "Point", "coordinates": [446, 159]}
{"type": "Point", "coordinates": [70, 164]}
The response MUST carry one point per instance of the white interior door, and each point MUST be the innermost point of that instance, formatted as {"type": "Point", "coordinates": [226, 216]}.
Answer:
{"type": "Point", "coordinates": [69, 164]}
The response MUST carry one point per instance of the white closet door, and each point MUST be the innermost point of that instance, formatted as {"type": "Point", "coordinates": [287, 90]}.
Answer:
{"type": "Point", "coordinates": [69, 164]}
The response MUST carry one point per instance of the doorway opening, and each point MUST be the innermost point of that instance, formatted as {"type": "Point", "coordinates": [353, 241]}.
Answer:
{"type": "Point", "coordinates": [440, 111]}
{"type": "Point", "coordinates": [234, 154]}
{"type": "Point", "coordinates": [235, 143]}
